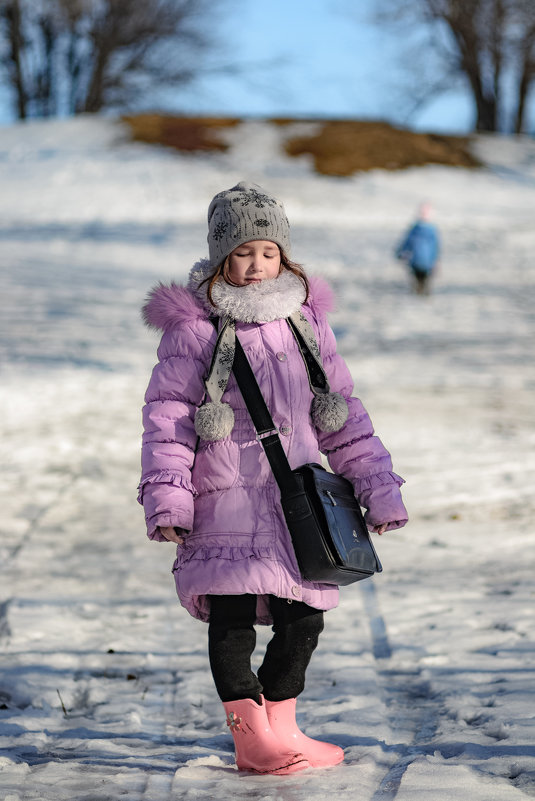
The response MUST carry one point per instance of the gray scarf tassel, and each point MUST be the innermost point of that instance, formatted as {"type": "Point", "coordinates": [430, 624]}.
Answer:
{"type": "Point", "coordinates": [329, 410]}
{"type": "Point", "coordinates": [215, 420]}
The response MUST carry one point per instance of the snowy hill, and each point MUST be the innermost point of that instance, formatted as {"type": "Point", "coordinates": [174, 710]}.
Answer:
{"type": "Point", "coordinates": [423, 675]}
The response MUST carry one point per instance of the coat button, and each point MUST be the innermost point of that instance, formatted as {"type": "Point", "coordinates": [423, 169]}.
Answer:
{"type": "Point", "coordinates": [296, 591]}
{"type": "Point", "coordinates": [281, 356]}
{"type": "Point", "coordinates": [285, 430]}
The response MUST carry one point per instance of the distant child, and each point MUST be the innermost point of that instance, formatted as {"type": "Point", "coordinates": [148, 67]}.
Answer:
{"type": "Point", "coordinates": [207, 485]}
{"type": "Point", "coordinates": [420, 249]}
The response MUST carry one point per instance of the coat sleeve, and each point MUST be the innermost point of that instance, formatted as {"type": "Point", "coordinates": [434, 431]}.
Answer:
{"type": "Point", "coordinates": [404, 249]}
{"type": "Point", "coordinates": [354, 451]}
{"type": "Point", "coordinates": [175, 391]}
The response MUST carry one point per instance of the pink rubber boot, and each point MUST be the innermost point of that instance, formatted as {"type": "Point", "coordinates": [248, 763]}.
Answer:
{"type": "Point", "coordinates": [281, 716]}
{"type": "Point", "coordinates": [257, 748]}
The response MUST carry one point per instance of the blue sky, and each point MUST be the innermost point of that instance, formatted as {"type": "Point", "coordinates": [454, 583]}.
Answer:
{"type": "Point", "coordinates": [323, 61]}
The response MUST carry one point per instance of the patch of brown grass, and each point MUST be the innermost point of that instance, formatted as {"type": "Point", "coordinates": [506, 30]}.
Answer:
{"type": "Point", "coordinates": [340, 147]}
{"type": "Point", "coordinates": [183, 133]}
{"type": "Point", "coordinates": [343, 147]}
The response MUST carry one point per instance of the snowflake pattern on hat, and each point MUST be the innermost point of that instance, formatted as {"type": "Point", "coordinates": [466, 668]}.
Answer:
{"type": "Point", "coordinates": [259, 199]}
{"type": "Point", "coordinates": [220, 230]}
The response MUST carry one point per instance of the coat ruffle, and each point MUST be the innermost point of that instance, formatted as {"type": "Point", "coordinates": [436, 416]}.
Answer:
{"type": "Point", "coordinates": [377, 480]}
{"type": "Point", "coordinates": [233, 553]}
{"type": "Point", "coordinates": [165, 477]}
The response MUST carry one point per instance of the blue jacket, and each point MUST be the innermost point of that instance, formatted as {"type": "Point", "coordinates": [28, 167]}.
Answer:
{"type": "Point", "coordinates": [420, 247]}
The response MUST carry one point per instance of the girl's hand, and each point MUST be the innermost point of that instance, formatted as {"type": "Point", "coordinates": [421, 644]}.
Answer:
{"type": "Point", "coordinates": [380, 529]}
{"type": "Point", "coordinates": [170, 534]}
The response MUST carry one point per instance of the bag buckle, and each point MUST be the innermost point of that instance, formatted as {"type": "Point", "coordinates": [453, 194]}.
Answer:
{"type": "Point", "coordinates": [260, 435]}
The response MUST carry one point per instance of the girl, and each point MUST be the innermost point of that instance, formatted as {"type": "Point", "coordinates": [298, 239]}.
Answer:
{"type": "Point", "coordinates": [206, 483]}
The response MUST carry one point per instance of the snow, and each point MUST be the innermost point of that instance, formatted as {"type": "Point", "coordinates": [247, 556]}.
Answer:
{"type": "Point", "coordinates": [423, 675]}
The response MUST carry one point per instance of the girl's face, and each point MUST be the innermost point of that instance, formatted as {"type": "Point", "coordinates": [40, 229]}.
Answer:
{"type": "Point", "coordinates": [255, 261]}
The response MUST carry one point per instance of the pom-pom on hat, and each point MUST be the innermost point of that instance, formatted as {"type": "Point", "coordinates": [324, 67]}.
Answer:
{"type": "Point", "coordinates": [243, 213]}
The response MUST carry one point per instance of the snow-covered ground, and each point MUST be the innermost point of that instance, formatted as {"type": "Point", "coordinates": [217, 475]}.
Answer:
{"type": "Point", "coordinates": [425, 675]}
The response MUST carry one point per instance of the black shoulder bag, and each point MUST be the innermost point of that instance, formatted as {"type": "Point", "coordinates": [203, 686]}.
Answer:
{"type": "Point", "coordinates": [330, 538]}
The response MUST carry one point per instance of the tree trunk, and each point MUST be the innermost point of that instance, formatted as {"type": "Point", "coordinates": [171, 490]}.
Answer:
{"type": "Point", "coordinates": [486, 114]}
{"type": "Point", "coordinates": [94, 99]}
{"type": "Point", "coordinates": [486, 107]}
{"type": "Point", "coordinates": [467, 38]}
{"type": "Point", "coordinates": [523, 87]}
{"type": "Point", "coordinates": [15, 39]}
{"type": "Point", "coordinates": [527, 74]}
{"type": "Point", "coordinates": [104, 39]}
{"type": "Point", "coordinates": [46, 97]}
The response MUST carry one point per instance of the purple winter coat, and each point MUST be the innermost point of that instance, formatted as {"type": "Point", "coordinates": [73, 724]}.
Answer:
{"type": "Point", "coordinates": [224, 493]}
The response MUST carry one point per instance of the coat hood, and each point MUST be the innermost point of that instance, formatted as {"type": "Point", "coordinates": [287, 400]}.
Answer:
{"type": "Point", "coordinates": [170, 305]}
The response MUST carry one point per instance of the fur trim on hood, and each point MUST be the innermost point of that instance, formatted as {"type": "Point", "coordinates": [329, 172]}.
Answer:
{"type": "Point", "coordinates": [171, 305]}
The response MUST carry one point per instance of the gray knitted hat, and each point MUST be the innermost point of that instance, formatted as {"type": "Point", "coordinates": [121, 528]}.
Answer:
{"type": "Point", "coordinates": [241, 214]}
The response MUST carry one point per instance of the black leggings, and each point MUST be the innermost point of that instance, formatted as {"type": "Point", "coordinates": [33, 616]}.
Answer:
{"type": "Point", "coordinates": [232, 639]}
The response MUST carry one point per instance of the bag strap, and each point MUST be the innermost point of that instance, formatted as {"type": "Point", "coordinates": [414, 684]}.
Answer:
{"type": "Point", "coordinates": [263, 422]}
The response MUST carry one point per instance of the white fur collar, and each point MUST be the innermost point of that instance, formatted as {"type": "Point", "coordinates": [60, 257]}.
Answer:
{"type": "Point", "coordinates": [269, 300]}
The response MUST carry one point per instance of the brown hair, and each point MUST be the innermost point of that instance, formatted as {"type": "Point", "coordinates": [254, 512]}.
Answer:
{"type": "Point", "coordinates": [223, 270]}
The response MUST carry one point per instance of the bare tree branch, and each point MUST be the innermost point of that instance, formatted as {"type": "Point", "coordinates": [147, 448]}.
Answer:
{"type": "Point", "coordinates": [68, 56]}
{"type": "Point", "coordinates": [490, 43]}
